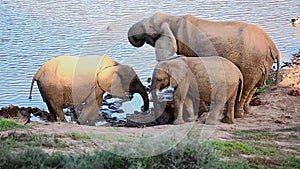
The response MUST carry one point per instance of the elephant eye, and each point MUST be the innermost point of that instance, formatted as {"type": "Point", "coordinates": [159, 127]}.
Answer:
{"type": "Point", "coordinates": [159, 80]}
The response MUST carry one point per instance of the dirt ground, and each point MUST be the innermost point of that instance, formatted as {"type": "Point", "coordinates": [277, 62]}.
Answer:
{"type": "Point", "coordinates": [279, 111]}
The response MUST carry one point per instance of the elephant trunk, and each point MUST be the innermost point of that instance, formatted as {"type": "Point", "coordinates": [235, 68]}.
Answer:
{"type": "Point", "coordinates": [154, 93]}
{"type": "Point", "coordinates": [158, 107]}
{"type": "Point", "coordinates": [145, 98]}
{"type": "Point", "coordinates": [137, 87]}
{"type": "Point", "coordinates": [136, 35]}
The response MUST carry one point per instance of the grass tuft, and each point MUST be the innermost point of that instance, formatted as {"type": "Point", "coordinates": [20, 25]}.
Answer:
{"type": "Point", "coordinates": [7, 124]}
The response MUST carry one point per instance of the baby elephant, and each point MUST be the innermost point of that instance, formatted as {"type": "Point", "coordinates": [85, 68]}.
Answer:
{"type": "Point", "coordinates": [81, 81]}
{"type": "Point", "coordinates": [197, 81]}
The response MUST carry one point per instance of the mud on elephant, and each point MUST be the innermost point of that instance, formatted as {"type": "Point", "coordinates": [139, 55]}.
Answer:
{"type": "Point", "coordinates": [82, 81]}
{"type": "Point", "coordinates": [198, 81]}
{"type": "Point", "coordinates": [246, 45]}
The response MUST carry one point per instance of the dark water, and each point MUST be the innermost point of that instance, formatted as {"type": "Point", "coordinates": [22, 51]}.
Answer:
{"type": "Point", "coordinates": [33, 31]}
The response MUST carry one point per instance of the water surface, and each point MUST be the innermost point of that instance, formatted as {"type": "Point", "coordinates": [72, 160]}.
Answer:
{"type": "Point", "coordinates": [33, 31]}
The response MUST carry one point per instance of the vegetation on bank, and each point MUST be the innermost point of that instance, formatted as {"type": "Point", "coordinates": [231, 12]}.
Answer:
{"type": "Point", "coordinates": [207, 155]}
{"type": "Point", "coordinates": [181, 156]}
{"type": "Point", "coordinates": [7, 124]}
{"type": "Point", "coordinates": [250, 149]}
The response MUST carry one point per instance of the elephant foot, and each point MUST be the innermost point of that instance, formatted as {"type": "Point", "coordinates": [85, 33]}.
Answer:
{"type": "Point", "coordinates": [247, 109]}
{"type": "Point", "coordinates": [200, 114]}
{"type": "Point", "coordinates": [227, 120]}
{"type": "Point", "coordinates": [178, 121]}
{"type": "Point", "coordinates": [238, 113]}
{"type": "Point", "coordinates": [203, 108]}
{"type": "Point", "coordinates": [91, 123]}
{"type": "Point", "coordinates": [190, 119]}
{"type": "Point", "coordinates": [63, 120]}
{"type": "Point", "coordinates": [210, 122]}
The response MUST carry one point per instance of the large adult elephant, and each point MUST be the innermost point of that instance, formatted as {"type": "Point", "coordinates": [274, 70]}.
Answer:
{"type": "Point", "coordinates": [246, 45]}
{"type": "Point", "coordinates": [70, 80]}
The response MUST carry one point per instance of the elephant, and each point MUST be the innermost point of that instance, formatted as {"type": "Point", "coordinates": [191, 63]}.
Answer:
{"type": "Point", "coordinates": [246, 45]}
{"type": "Point", "coordinates": [81, 81]}
{"type": "Point", "coordinates": [205, 80]}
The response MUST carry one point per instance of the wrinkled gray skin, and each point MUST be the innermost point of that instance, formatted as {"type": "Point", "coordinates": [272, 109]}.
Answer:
{"type": "Point", "coordinates": [82, 81]}
{"type": "Point", "coordinates": [213, 80]}
{"type": "Point", "coordinates": [246, 45]}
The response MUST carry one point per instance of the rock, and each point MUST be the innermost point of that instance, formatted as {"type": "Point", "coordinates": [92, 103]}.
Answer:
{"type": "Point", "coordinates": [294, 92]}
{"type": "Point", "coordinates": [23, 112]}
{"type": "Point", "coordinates": [141, 119]}
{"type": "Point", "coordinates": [288, 116]}
{"type": "Point", "coordinates": [255, 101]}
{"type": "Point", "coordinates": [149, 80]}
{"type": "Point", "coordinates": [280, 121]}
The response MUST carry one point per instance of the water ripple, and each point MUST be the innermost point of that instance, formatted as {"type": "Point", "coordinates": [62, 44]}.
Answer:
{"type": "Point", "coordinates": [34, 31]}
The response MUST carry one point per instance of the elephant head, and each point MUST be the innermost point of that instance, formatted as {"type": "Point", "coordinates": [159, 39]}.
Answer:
{"type": "Point", "coordinates": [120, 79]}
{"type": "Point", "coordinates": [166, 74]}
{"type": "Point", "coordinates": [176, 74]}
{"type": "Point", "coordinates": [156, 32]}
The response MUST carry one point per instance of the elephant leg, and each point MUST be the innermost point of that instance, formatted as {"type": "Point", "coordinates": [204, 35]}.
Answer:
{"type": "Point", "coordinates": [83, 115]}
{"type": "Point", "coordinates": [202, 108]}
{"type": "Point", "coordinates": [189, 109]}
{"type": "Point", "coordinates": [229, 115]}
{"type": "Point", "coordinates": [56, 110]}
{"type": "Point", "coordinates": [248, 100]}
{"type": "Point", "coordinates": [179, 99]}
{"type": "Point", "coordinates": [216, 107]}
{"type": "Point", "coordinates": [53, 117]}
{"type": "Point", "coordinates": [93, 116]}
{"type": "Point", "coordinates": [61, 114]}
{"type": "Point", "coordinates": [239, 108]}
{"type": "Point", "coordinates": [90, 111]}
{"type": "Point", "coordinates": [178, 111]}
{"type": "Point", "coordinates": [95, 112]}
{"type": "Point", "coordinates": [88, 114]}
{"type": "Point", "coordinates": [247, 91]}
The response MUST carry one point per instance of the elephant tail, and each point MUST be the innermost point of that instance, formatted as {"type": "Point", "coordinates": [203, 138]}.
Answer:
{"type": "Point", "coordinates": [34, 78]}
{"type": "Point", "coordinates": [31, 88]}
{"type": "Point", "coordinates": [240, 88]}
{"type": "Point", "coordinates": [277, 56]}
{"type": "Point", "coordinates": [273, 51]}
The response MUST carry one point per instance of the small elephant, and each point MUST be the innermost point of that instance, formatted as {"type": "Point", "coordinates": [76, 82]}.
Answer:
{"type": "Point", "coordinates": [246, 45]}
{"type": "Point", "coordinates": [81, 81]}
{"type": "Point", "coordinates": [214, 80]}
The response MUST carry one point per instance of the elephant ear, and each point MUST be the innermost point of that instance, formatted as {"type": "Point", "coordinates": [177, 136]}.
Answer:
{"type": "Point", "coordinates": [166, 45]}
{"type": "Point", "coordinates": [178, 71]}
{"type": "Point", "coordinates": [106, 61]}
{"type": "Point", "coordinates": [105, 71]}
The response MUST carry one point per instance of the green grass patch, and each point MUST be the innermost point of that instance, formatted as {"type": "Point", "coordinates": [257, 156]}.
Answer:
{"type": "Point", "coordinates": [235, 148]}
{"type": "Point", "coordinates": [17, 140]}
{"type": "Point", "coordinates": [255, 135]}
{"type": "Point", "coordinates": [78, 136]}
{"type": "Point", "coordinates": [270, 82]}
{"type": "Point", "coordinates": [7, 124]}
